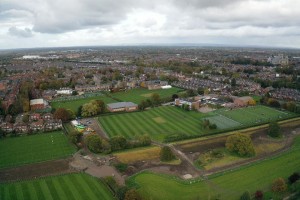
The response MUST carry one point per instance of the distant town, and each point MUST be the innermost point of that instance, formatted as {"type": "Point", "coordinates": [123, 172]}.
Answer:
{"type": "Point", "coordinates": [135, 117]}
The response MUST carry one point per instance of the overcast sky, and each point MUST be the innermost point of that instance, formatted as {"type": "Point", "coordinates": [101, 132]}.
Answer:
{"type": "Point", "coordinates": [48, 23]}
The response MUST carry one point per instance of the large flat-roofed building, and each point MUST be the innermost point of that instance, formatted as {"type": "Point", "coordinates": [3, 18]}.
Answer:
{"type": "Point", "coordinates": [122, 106]}
{"type": "Point", "coordinates": [37, 104]}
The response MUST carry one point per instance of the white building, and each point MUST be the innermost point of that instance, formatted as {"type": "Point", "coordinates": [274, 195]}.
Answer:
{"type": "Point", "coordinates": [65, 91]}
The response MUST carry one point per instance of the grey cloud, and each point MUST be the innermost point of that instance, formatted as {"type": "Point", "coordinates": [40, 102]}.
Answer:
{"type": "Point", "coordinates": [18, 32]}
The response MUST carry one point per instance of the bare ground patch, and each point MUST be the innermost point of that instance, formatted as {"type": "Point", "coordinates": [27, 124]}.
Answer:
{"type": "Point", "coordinates": [49, 168]}
{"type": "Point", "coordinates": [159, 120]}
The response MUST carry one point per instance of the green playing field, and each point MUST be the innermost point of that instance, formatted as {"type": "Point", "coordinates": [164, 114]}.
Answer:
{"type": "Point", "coordinates": [35, 148]}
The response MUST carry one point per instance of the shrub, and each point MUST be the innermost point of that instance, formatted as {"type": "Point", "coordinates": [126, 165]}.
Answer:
{"type": "Point", "coordinates": [217, 153]}
{"type": "Point", "coordinates": [294, 177]}
{"type": "Point", "coordinates": [279, 185]}
{"type": "Point", "coordinates": [245, 196]}
{"type": "Point", "coordinates": [118, 143]}
{"type": "Point", "coordinates": [166, 154]}
{"type": "Point", "coordinates": [132, 194]}
{"type": "Point", "coordinates": [212, 126]}
{"type": "Point", "coordinates": [121, 167]}
{"type": "Point", "coordinates": [259, 195]}
{"type": "Point", "coordinates": [274, 130]}
{"type": "Point", "coordinates": [240, 144]}
{"type": "Point", "coordinates": [75, 137]}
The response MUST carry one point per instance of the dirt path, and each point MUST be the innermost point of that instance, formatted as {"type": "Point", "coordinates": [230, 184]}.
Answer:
{"type": "Point", "coordinates": [32, 171]}
{"type": "Point", "coordinates": [186, 162]}
{"type": "Point", "coordinates": [97, 166]}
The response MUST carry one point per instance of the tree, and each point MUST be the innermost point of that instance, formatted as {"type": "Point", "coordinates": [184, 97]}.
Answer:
{"type": "Point", "coordinates": [200, 91]}
{"type": "Point", "coordinates": [71, 114]}
{"type": "Point", "coordinates": [166, 154]}
{"type": "Point", "coordinates": [74, 93]}
{"type": "Point", "coordinates": [258, 195]}
{"type": "Point", "coordinates": [143, 105]}
{"type": "Point", "coordinates": [273, 103]}
{"type": "Point", "coordinates": [118, 143]}
{"type": "Point", "coordinates": [206, 123]}
{"type": "Point", "coordinates": [79, 110]}
{"type": "Point", "coordinates": [251, 102]}
{"type": "Point", "coordinates": [294, 177]}
{"type": "Point", "coordinates": [291, 106]}
{"type": "Point", "coordinates": [106, 148]}
{"type": "Point", "coordinates": [89, 109]}
{"type": "Point", "coordinates": [75, 136]}
{"type": "Point", "coordinates": [144, 140]}
{"type": "Point", "coordinates": [94, 143]}
{"type": "Point", "coordinates": [2, 133]}
{"type": "Point", "coordinates": [132, 195]}
{"type": "Point", "coordinates": [185, 107]}
{"type": "Point", "coordinates": [245, 196]}
{"type": "Point", "coordinates": [191, 93]}
{"type": "Point", "coordinates": [233, 82]}
{"type": "Point", "coordinates": [274, 130]}
{"type": "Point", "coordinates": [279, 185]}
{"type": "Point", "coordinates": [62, 113]}
{"type": "Point", "coordinates": [175, 96]}
{"type": "Point", "coordinates": [100, 105]}
{"type": "Point", "coordinates": [25, 118]}
{"type": "Point", "coordinates": [155, 99]}
{"type": "Point", "coordinates": [240, 144]}
{"type": "Point", "coordinates": [212, 126]}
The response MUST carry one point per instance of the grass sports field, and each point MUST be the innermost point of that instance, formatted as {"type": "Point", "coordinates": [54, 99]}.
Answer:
{"type": "Point", "coordinates": [66, 187]}
{"type": "Point", "coordinates": [254, 115]}
{"type": "Point", "coordinates": [35, 148]}
{"type": "Point", "coordinates": [75, 104]}
{"type": "Point", "coordinates": [166, 120]}
{"type": "Point", "coordinates": [231, 185]}
{"type": "Point", "coordinates": [223, 122]}
{"type": "Point", "coordinates": [157, 123]}
{"type": "Point", "coordinates": [137, 95]}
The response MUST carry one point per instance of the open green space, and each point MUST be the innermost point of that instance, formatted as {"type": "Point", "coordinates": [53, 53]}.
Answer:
{"type": "Point", "coordinates": [166, 120]}
{"type": "Point", "coordinates": [75, 104]}
{"type": "Point", "coordinates": [259, 114]}
{"type": "Point", "coordinates": [157, 123]}
{"type": "Point", "coordinates": [139, 94]}
{"type": "Point", "coordinates": [22, 150]}
{"type": "Point", "coordinates": [66, 187]}
{"type": "Point", "coordinates": [228, 185]}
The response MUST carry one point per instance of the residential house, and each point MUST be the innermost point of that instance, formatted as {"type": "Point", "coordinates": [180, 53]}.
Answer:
{"type": "Point", "coordinates": [37, 125]}
{"type": "Point", "coordinates": [7, 127]}
{"type": "Point", "coordinates": [47, 116]}
{"type": "Point", "coordinates": [53, 124]}
{"type": "Point", "coordinates": [21, 127]}
{"type": "Point", "coordinates": [34, 117]}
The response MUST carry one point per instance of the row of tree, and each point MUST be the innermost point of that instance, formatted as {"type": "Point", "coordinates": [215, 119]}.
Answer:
{"type": "Point", "coordinates": [290, 106]}
{"type": "Point", "coordinates": [98, 145]}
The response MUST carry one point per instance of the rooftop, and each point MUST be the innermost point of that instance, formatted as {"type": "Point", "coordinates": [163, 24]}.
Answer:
{"type": "Point", "coordinates": [121, 105]}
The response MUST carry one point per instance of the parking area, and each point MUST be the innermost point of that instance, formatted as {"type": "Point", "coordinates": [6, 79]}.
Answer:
{"type": "Point", "coordinates": [93, 124]}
